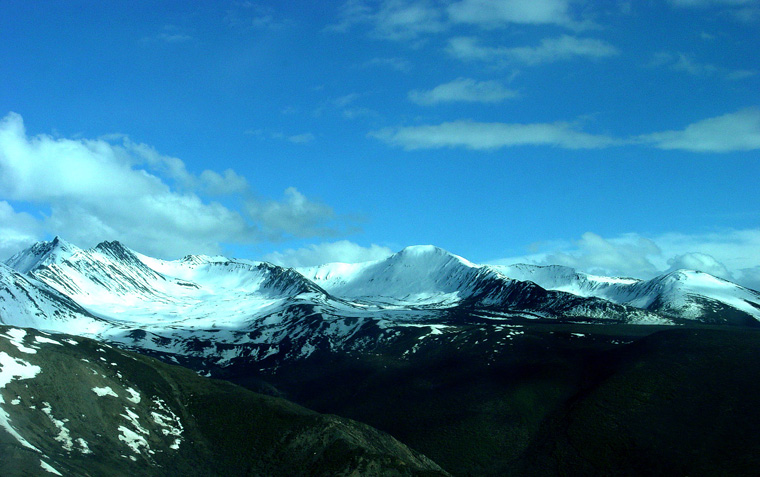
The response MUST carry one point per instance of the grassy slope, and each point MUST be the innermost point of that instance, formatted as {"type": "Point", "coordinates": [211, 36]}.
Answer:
{"type": "Point", "coordinates": [227, 430]}
{"type": "Point", "coordinates": [551, 402]}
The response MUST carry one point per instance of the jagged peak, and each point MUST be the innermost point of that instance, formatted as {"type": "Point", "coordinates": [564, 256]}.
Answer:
{"type": "Point", "coordinates": [116, 250]}
{"type": "Point", "coordinates": [42, 253]}
{"type": "Point", "coordinates": [111, 245]}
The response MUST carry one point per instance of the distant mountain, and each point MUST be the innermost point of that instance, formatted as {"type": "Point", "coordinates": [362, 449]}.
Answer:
{"type": "Point", "coordinates": [220, 310]}
{"type": "Point", "coordinates": [681, 294]}
{"type": "Point", "coordinates": [73, 406]}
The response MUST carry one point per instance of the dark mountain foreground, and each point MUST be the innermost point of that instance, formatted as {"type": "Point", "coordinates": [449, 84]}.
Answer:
{"type": "Point", "coordinates": [554, 399]}
{"type": "Point", "coordinates": [73, 406]}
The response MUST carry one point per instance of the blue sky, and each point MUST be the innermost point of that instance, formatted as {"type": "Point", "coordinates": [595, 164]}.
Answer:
{"type": "Point", "coordinates": [615, 137]}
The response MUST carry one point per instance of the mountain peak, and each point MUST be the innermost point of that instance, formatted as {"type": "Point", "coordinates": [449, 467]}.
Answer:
{"type": "Point", "coordinates": [428, 254]}
{"type": "Point", "coordinates": [422, 250]}
{"type": "Point", "coordinates": [42, 253]}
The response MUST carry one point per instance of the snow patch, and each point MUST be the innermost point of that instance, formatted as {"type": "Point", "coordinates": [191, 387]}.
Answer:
{"type": "Point", "coordinates": [42, 339]}
{"type": "Point", "coordinates": [64, 436]}
{"type": "Point", "coordinates": [16, 337]}
{"type": "Point", "coordinates": [10, 369]}
{"type": "Point", "coordinates": [84, 448]}
{"type": "Point", "coordinates": [48, 468]}
{"type": "Point", "coordinates": [134, 396]}
{"type": "Point", "coordinates": [106, 391]}
{"type": "Point", "coordinates": [133, 438]}
{"type": "Point", "coordinates": [169, 422]}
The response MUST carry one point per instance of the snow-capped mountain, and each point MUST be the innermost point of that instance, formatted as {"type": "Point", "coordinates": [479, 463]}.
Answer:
{"type": "Point", "coordinates": [684, 294]}
{"type": "Point", "coordinates": [222, 310]}
{"type": "Point", "coordinates": [28, 302]}
{"type": "Point", "coordinates": [430, 277]}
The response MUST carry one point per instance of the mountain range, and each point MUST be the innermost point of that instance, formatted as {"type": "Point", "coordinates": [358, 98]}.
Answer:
{"type": "Point", "coordinates": [368, 341]}
{"type": "Point", "coordinates": [254, 310]}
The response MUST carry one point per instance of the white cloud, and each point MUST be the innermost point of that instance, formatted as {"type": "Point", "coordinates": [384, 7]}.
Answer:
{"type": "Point", "coordinates": [95, 190]}
{"type": "Point", "coordinates": [730, 254]}
{"type": "Point", "coordinates": [295, 216]}
{"type": "Point", "coordinates": [597, 254]}
{"type": "Point", "coordinates": [398, 64]}
{"type": "Point", "coordinates": [492, 13]}
{"type": "Point", "coordinates": [687, 64]}
{"type": "Point", "coordinates": [341, 251]}
{"type": "Point", "coordinates": [409, 20]}
{"type": "Point", "coordinates": [229, 182]}
{"type": "Point", "coordinates": [393, 19]}
{"type": "Point", "coordinates": [18, 230]}
{"type": "Point", "coordinates": [488, 136]}
{"type": "Point", "coordinates": [737, 131]}
{"type": "Point", "coordinates": [301, 138]}
{"type": "Point", "coordinates": [742, 10]}
{"type": "Point", "coordinates": [699, 261]}
{"type": "Point", "coordinates": [464, 90]}
{"type": "Point", "coordinates": [549, 50]}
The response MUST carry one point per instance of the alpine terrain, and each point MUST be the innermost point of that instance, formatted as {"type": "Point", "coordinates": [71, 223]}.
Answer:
{"type": "Point", "coordinates": [486, 370]}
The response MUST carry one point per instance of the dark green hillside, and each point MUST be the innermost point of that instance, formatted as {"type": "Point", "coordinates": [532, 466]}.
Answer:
{"type": "Point", "coordinates": [556, 399]}
{"type": "Point", "coordinates": [95, 410]}
{"type": "Point", "coordinates": [680, 402]}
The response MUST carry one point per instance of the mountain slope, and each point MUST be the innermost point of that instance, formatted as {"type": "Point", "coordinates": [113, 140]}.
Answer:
{"type": "Point", "coordinates": [213, 311]}
{"type": "Point", "coordinates": [27, 302]}
{"type": "Point", "coordinates": [681, 294]}
{"type": "Point", "coordinates": [72, 406]}
{"type": "Point", "coordinates": [430, 277]}
{"type": "Point", "coordinates": [678, 402]}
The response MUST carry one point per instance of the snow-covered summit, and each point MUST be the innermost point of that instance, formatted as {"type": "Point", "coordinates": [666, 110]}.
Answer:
{"type": "Point", "coordinates": [688, 294]}
{"type": "Point", "coordinates": [417, 274]}
{"type": "Point", "coordinates": [42, 253]}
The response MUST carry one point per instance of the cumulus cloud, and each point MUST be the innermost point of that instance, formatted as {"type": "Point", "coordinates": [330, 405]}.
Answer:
{"type": "Point", "coordinates": [318, 254]}
{"type": "Point", "coordinates": [295, 216]}
{"type": "Point", "coordinates": [730, 254]}
{"type": "Point", "coordinates": [549, 50]}
{"type": "Point", "coordinates": [228, 182]}
{"type": "Point", "coordinates": [699, 261]}
{"type": "Point", "coordinates": [93, 190]}
{"type": "Point", "coordinates": [599, 255]}
{"type": "Point", "coordinates": [737, 131]}
{"type": "Point", "coordinates": [463, 90]}
{"type": "Point", "coordinates": [18, 230]}
{"type": "Point", "coordinates": [489, 136]}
